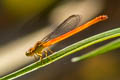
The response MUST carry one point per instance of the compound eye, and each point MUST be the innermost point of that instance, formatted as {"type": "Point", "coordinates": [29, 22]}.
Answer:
{"type": "Point", "coordinates": [28, 53]}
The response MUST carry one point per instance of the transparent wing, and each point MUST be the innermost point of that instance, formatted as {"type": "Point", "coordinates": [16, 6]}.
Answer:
{"type": "Point", "coordinates": [69, 24]}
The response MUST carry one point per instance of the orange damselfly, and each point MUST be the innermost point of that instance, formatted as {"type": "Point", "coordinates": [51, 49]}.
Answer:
{"type": "Point", "coordinates": [71, 27]}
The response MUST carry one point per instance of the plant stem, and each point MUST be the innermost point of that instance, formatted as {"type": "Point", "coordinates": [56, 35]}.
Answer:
{"type": "Point", "coordinates": [64, 52]}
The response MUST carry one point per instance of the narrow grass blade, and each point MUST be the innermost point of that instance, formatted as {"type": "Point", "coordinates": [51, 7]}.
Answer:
{"type": "Point", "coordinates": [102, 50]}
{"type": "Point", "coordinates": [64, 52]}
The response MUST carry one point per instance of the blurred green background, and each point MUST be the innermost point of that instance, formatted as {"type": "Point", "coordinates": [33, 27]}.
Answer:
{"type": "Point", "coordinates": [24, 22]}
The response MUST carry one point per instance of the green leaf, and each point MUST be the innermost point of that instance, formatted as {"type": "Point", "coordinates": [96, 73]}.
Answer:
{"type": "Point", "coordinates": [102, 50]}
{"type": "Point", "coordinates": [64, 52]}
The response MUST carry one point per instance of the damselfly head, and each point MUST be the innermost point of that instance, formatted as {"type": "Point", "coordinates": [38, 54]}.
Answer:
{"type": "Point", "coordinates": [38, 47]}
{"type": "Point", "coordinates": [29, 52]}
